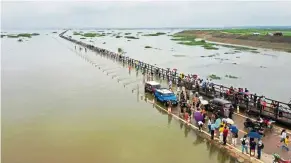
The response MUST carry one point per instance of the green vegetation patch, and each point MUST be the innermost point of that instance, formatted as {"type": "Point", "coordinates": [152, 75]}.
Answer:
{"type": "Point", "coordinates": [127, 33]}
{"type": "Point", "coordinates": [89, 34]}
{"type": "Point", "coordinates": [118, 36]}
{"type": "Point", "coordinates": [130, 37]}
{"type": "Point", "coordinates": [177, 55]}
{"type": "Point", "coordinates": [230, 76]}
{"type": "Point", "coordinates": [82, 38]}
{"type": "Point", "coordinates": [27, 35]}
{"type": "Point", "coordinates": [147, 47]}
{"type": "Point", "coordinates": [214, 77]}
{"type": "Point", "coordinates": [155, 34]}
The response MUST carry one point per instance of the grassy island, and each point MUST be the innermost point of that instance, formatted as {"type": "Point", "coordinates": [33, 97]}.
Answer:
{"type": "Point", "coordinates": [155, 34]}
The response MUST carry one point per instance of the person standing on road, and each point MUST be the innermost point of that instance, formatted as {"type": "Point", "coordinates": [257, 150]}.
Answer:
{"type": "Point", "coordinates": [225, 134]}
{"type": "Point", "coordinates": [253, 145]}
{"type": "Point", "coordinates": [260, 147]}
{"type": "Point", "coordinates": [244, 144]}
{"type": "Point", "coordinates": [212, 131]}
{"type": "Point", "coordinates": [209, 124]}
{"type": "Point", "coordinates": [234, 138]}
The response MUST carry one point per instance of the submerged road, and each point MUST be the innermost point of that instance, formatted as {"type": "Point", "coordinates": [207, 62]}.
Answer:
{"type": "Point", "coordinates": [270, 140]}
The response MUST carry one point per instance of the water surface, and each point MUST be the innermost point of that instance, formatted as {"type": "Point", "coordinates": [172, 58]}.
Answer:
{"type": "Point", "coordinates": [56, 107]}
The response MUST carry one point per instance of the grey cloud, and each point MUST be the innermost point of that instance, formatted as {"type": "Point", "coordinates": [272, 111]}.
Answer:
{"type": "Point", "coordinates": [143, 14]}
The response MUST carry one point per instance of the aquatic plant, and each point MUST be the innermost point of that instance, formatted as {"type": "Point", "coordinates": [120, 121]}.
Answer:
{"type": "Point", "coordinates": [54, 32]}
{"type": "Point", "coordinates": [90, 34]}
{"type": "Point", "coordinates": [177, 55]}
{"type": "Point", "coordinates": [19, 40]}
{"type": "Point", "coordinates": [127, 33]}
{"type": "Point", "coordinates": [27, 35]}
{"type": "Point", "coordinates": [3, 36]}
{"type": "Point", "coordinates": [147, 47]}
{"type": "Point", "coordinates": [155, 34]}
{"type": "Point", "coordinates": [76, 33]}
{"type": "Point", "coordinates": [82, 38]}
{"type": "Point", "coordinates": [253, 51]}
{"type": "Point", "coordinates": [214, 77]}
{"type": "Point", "coordinates": [118, 36]}
{"type": "Point", "coordinates": [130, 37]}
{"type": "Point", "coordinates": [230, 76]}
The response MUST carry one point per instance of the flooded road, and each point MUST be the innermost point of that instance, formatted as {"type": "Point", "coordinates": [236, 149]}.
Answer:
{"type": "Point", "coordinates": [56, 107]}
{"type": "Point", "coordinates": [256, 71]}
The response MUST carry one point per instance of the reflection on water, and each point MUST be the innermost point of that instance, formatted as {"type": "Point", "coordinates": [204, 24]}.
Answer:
{"type": "Point", "coordinates": [56, 107]}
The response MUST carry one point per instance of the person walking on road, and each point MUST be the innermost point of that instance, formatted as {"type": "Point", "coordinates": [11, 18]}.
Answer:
{"type": "Point", "coordinates": [253, 145]}
{"type": "Point", "coordinates": [285, 144]}
{"type": "Point", "coordinates": [244, 144]}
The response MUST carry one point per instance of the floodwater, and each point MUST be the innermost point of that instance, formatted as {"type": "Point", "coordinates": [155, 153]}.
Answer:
{"type": "Point", "coordinates": [57, 107]}
{"type": "Point", "coordinates": [265, 73]}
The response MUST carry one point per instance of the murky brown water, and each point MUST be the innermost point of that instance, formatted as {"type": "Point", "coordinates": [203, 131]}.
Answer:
{"type": "Point", "coordinates": [58, 108]}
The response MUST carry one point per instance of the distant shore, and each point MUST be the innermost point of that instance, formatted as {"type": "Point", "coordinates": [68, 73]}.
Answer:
{"type": "Point", "coordinates": [244, 37]}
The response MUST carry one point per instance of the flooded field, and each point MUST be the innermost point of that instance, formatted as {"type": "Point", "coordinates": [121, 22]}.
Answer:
{"type": "Point", "coordinates": [56, 107]}
{"type": "Point", "coordinates": [265, 72]}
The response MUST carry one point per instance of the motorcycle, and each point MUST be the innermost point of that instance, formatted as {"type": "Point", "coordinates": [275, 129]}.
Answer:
{"type": "Point", "coordinates": [278, 159]}
{"type": "Point", "coordinates": [268, 123]}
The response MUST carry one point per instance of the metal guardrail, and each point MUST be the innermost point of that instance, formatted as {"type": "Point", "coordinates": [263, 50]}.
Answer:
{"type": "Point", "coordinates": [274, 109]}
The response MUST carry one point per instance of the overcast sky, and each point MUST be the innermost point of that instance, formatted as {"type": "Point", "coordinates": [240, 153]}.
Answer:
{"type": "Point", "coordinates": [138, 14]}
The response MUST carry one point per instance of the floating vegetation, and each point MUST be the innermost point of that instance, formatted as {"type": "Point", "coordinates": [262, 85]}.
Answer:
{"type": "Point", "coordinates": [214, 77]}
{"type": "Point", "coordinates": [147, 47]}
{"type": "Point", "coordinates": [155, 34]}
{"type": "Point", "coordinates": [127, 33]}
{"type": "Point", "coordinates": [234, 63]}
{"type": "Point", "coordinates": [253, 51]}
{"type": "Point", "coordinates": [263, 67]}
{"type": "Point", "coordinates": [130, 37]}
{"type": "Point", "coordinates": [139, 32]}
{"type": "Point", "coordinates": [191, 41]}
{"type": "Point", "coordinates": [27, 35]}
{"type": "Point", "coordinates": [128, 40]}
{"type": "Point", "coordinates": [20, 40]}
{"type": "Point", "coordinates": [104, 42]}
{"type": "Point", "coordinates": [89, 34]}
{"type": "Point", "coordinates": [201, 42]}
{"type": "Point", "coordinates": [82, 38]}
{"type": "Point", "coordinates": [118, 36]}
{"type": "Point", "coordinates": [3, 36]}
{"type": "Point", "coordinates": [54, 32]}
{"type": "Point", "coordinates": [238, 48]}
{"type": "Point", "coordinates": [176, 55]}
{"type": "Point", "coordinates": [120, 50]}
{"type": "Point", "coordinates": [230, 76]}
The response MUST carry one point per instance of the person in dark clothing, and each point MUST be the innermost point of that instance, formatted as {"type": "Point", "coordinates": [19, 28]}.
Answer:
{"type": "Point", "coordinates": [253, 145]}
{"type": "Point", "coordinates": [255, 99]}
{"type": "Point", "coordinates": [260, 146]}
{"type": "Point", "coordinates": [231, 110]}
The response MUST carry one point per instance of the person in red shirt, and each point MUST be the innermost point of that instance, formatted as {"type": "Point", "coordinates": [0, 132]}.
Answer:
{"type": "Point", "coordinates": [225, 133]}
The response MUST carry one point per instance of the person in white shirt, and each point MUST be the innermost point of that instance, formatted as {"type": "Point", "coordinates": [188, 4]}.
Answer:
{"type": "Point", "coordinates": [200, 125]}
{"type": "Point", "coordinates": [244, 144]}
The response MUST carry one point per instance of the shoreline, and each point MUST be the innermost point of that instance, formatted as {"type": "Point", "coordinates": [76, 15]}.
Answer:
{"type": "Point", "coordinates": [234, 40]}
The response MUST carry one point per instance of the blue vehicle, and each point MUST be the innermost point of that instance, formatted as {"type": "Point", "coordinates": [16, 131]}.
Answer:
{"type": "Point", "coordinates": [164, 95]}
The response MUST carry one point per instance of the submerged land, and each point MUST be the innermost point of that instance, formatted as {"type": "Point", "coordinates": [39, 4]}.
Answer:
{"type": "Point", "coordinates": [277, 39]}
